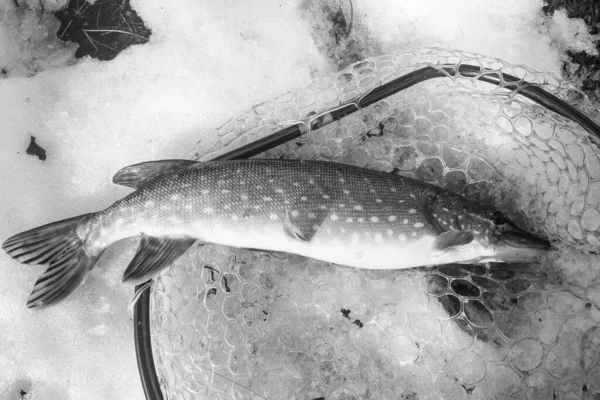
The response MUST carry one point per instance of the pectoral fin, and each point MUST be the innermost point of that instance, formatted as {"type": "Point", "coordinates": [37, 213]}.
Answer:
{"type": "Point", "coordinates": [302, 222]}
{"type": "Point", "coordinates": [451, 239]}
{"type": "Point", "coordinates": [305, 225]}
{"type": "Point", "coordinates": [136, 175]}
{"type": "Point", "coordinates": [153, 255]}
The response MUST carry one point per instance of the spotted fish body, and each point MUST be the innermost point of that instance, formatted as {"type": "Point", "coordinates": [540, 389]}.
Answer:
{"type": "Point", "coordinates": [332, 212]}
{"type": "Point", "coordinates": [327, 211]}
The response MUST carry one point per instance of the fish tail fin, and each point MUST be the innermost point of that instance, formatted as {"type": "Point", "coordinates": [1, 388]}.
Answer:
{"type": "Point", "coordinates": [59, 245]}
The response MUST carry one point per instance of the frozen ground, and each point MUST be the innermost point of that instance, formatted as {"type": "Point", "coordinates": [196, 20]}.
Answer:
{"type": "Point", "coordinates": [205, 62]}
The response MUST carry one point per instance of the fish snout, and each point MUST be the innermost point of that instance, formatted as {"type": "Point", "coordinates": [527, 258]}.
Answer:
{"type": "Point", "coordinates": [515, 236]}
{"type": "Point", "coordinates": [514, 244]}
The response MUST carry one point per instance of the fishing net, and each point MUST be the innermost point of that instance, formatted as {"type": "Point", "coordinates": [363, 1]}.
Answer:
{"type": "Point", "coordinates": [231, 323]}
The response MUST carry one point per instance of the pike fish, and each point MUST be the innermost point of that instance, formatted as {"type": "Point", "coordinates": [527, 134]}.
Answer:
{"type": "Point", "coordinates": [326, 211]}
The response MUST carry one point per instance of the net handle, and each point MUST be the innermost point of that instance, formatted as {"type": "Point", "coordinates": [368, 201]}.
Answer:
{"type": "Point", "coordinates": [141, 314]}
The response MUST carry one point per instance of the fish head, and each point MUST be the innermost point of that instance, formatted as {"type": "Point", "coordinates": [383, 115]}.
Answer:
{"type": "Point", "coordinates": [513, 244]}
{"type": "Point", "coordinates": [495, 237]}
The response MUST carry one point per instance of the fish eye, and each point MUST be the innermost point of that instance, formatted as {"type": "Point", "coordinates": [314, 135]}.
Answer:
{"type": "Point", "coordinates": [498, 218]}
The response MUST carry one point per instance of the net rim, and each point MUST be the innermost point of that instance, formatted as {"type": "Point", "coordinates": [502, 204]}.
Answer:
{"type": "Point", "coordinates": [142, 332]}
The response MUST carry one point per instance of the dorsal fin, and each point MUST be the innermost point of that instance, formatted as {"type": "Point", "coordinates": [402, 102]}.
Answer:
{"type": "Point", "coordinates": [137, 175]}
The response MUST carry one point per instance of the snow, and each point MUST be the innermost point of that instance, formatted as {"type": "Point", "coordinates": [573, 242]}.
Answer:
{"type": "Point", "coordinates": [205, 62]}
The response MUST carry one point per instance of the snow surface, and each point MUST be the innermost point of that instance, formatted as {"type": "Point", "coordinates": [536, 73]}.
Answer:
{"type": "Point", "coordinates": [206, 61]}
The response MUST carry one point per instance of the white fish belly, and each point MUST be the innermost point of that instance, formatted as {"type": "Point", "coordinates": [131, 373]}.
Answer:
{"type": "Point", "coordinates": [365, 254]}
{"type": "Point", "coordinates": [359, 251]}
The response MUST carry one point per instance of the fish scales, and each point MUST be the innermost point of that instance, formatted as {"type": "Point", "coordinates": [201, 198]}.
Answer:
{"type": "Point", "coordinates": [247, 204]}
{"type": "Point", "coordinates": [331, 212]}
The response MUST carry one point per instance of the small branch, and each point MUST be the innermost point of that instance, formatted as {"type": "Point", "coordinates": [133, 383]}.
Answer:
{"type": "Point", "coordinates": [65, 30]}
{"type": "Point", "coordinates": [90, 39]}
{"type": "Point", "coordinates": [114, 31]}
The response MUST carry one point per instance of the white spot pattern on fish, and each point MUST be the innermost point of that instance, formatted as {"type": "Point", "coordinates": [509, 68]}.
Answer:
{"type": "Point", "coordinates": [356, 199]}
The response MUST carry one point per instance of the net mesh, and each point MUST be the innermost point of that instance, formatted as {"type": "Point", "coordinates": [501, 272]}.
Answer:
{"type": "Point", "coordinates": [238, 324]}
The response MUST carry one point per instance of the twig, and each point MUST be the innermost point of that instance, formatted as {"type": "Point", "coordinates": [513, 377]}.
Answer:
{"type": "Point", "coordinates": [234, 382]}
{"type": "Point", "coordinates": [114, 31]}
{"type": "Point", "coordinates": [90, 39]}
{"type": "Point", "coordinates": [351, 18]}
{"type": "Point", "coordinates": [65, 30]}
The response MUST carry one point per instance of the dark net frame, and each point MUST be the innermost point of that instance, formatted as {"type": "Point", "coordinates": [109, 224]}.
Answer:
{"type": "Point", "coordinates": [505, 81]}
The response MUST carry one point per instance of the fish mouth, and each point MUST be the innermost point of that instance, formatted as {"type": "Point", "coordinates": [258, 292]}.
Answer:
{"type": "Point", "coordinates": [516, 245]}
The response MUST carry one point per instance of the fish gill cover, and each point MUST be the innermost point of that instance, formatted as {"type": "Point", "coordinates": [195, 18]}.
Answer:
{"type": "Point", "coordinates": [233, 323]}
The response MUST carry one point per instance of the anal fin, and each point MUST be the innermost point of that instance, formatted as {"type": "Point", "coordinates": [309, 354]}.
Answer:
{"type": "Point", "coordinates": [153, 255]}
